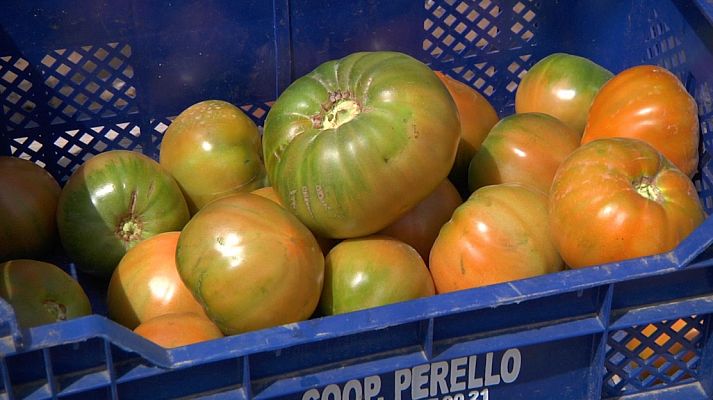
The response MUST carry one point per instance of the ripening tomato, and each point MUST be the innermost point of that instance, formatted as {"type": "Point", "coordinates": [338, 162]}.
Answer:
{"type": "Point", "coordinates": [41, 293]}
{"type": "Point", "coordinates": [372, 271]}
{"type": "Point", "coordinates": [212, 149]}
{"type": "Point", "coordinates": [477, 117]}
{"type": "Point", "coordinates": [649, 103]}
{"type": "Point", "coordinates": [522, 148]}
{"type": "Point", "coordinates": [250, 263]}
{"type": "Point", "coordinates": [498, 234]}
{"type": "Point", "coordinates": [619, 198]}
{"type": "Point", "coordinates": [146, 283]}
{"type": "Point", "coordinates": [420, 226]}
{"type": "Point", "coordinates": [354, 144]}
{"type": "Point", "coordinates": [562, 85]}
{"type": "Point", "coordinates": [178, 329]}
{"type": "Point", "coordinates": [28, 203]}
{"type": "Point", "coordinates": [113, 201]}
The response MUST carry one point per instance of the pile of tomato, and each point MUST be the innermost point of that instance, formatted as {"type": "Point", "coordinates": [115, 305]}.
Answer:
{"type": "Point", "coordinates": [373, 181]}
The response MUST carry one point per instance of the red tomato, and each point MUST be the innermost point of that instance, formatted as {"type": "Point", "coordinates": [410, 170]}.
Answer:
{"type": "Point", "coordinates": [477, 117]}
{"type": "Point", "coordinates": [372, 271]}
{"type": "Point", "coordinates": [419, 227]}
{"type": "Point", "coordinates": [41, 293]}
{"type": "Point", "coordinates": [619, 198]}
{"type": "Point", "coordinates": [28, 203]}
{"type": "Point", "coordinates": [499, 234]}
{"type": "Point", "coordinates": [522, 148]}
{"type": "Point", "coordinates": [212, 149]}
{"type": "Point", "coordinates": [178, 329]}
{"type": "Point", "coordinates": [146, 283]}
{"type": "Point", "coordinates": [562, 85]}
{"type": "Point", "coordinates": [649, 103]}
{"type": "Point", "coordinates": [250, 263]}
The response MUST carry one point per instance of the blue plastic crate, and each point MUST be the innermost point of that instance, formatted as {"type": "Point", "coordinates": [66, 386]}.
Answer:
{"type": "Point", "coordinates": [81, 77]}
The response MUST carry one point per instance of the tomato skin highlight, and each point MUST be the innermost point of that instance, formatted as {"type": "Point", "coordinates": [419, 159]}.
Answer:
{"type": "Point", "coordinates": [146, 283]}
{"type": "Point", "coordinates": [28, 205]}
{"type": "Point", "coordinates": [357, 142]}
{"type": "Point", "coordinates": [648, 103]}
{"type": "Point", "coordinates": [498, 234]}
{"type": "Point", "coordinates": [41, 293]}
{"type": "Point", "coordinates": [619, 198]}
{"type": "Point", "coordinates": [562, 85]}
{"type": "Point", "coordinates": [212, 149]}
{"type": "Point", "coordinates": [522, 148]}
{"type": "Point", "coordinates": [113, 201]}
{"type": "Point", "coordinates": [250, 263]}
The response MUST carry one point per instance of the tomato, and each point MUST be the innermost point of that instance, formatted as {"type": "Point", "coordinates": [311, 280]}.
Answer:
{"type": "Point", "coordinates": [146, 283]}
{"type": "Point", "coordinates": [41, 293]}
{"type": "Point", "coordinates": [522, 148]}
{"type": "Point", "coordinates": [28, 202]}
{"type": "Point", "coordinates": [372, 271]}
{"type": "Point", "coordinates": [357, 142]}
{"type": "Point", "coordinates": [619, 198]}
{"type": "Point", "coordinates": [477, 117]}
{"type": "Point", "coordinates": [498, 234]}
{"type": "Point", "coordinates": [649, 103]}
{"type": "Point", "coordinates": [268, 192]}
{"type": "Point", "coordinates": [420, 226]}
{"type": "Point", "coordinates": [212, 149]}
{"type": "Point", "coordinates": [250, 263]}
{"type": "Point", "coordinates": [113, 201]}
{"type": "Point", "coordinates": [562, 85]}
{"type": "Point", "coordinates": [178, 329]}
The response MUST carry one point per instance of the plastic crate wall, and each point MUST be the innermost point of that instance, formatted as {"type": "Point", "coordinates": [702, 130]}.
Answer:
{"type": "Point", "coordinates": [78, 78]}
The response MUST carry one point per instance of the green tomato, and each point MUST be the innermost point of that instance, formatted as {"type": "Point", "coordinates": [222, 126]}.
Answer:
{"type": "Point", "coordinates": [41, 293]}
{"type": "Point", "coordinates": [113, 201]}
{"type": "Point", "coordinates": [562, 85]}
{"type": "Point", "coordinates": [357, 142]}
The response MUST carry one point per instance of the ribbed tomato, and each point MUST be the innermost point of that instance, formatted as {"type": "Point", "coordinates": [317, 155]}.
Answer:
{"type": "Point", "coordinates": [619, 198]}
{"type": "Point", "coordinates": [41, 293]}
{"type": "Point", "coordinates": [178, 329]}
{"type": "Point", "coordinates": [562, 85]}
{"type": "Point", "coordinates": [250, 263]}
{"type": "Point", "coordinates": [146, 283]}
{"type": "Point", "coordinates": [113, 201]}
{"type": "Point", "coordinates": [477, 117]}
{"type": "Point", "coordinates": [212, 149]}
{"type": "Point", "coordinates": [372, 271]}
{"type": "Point", "coordinates": [498, 234]}
{"type": "Point", "coordinates": [357, 142]}
{"type": "Point", "coordinates": [649, 103]}
{"type": "Point", "coordinates": [28, 203]}
{"type": "Point", "coordinates": [522, 148]}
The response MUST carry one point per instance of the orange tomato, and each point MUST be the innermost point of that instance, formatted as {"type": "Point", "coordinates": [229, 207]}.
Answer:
{"type": "Point", "coordinates": [420, 226]}
{"type": "Point", "coordinates": [618, 198]}
{"type": "Point", "coordinates": [178, 329]}
{"type": "Point", "coordinates": [648, 102]}
{"type": "Point", "coordinates": [477, 117]}
{"type": "Point", "coordinates": [146, 283]}
{"type": "Point", "coordinates": [499, 234]}
{"type": "Point", "coordinates": [522, 148]}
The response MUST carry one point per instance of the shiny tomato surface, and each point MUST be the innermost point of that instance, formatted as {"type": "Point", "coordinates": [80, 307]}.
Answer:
{"type": "Point", "coordinates": [619, 198]}
{"type": "Point", "coordinates": [649, 103]}
{"type": "Point", "coordinates": [250, 263]}
{"type": "Point", "coordinates": [498, 234]}
{"type": "Point", "coordinates": [354, 144]}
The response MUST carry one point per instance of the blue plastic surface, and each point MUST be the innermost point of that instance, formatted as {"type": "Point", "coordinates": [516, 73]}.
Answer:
{"type": "Point", "coordinates": [81, 77]}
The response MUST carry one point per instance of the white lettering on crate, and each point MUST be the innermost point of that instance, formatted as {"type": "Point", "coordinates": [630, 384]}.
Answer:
{"type": "Point", "coordinates": [464, 378]}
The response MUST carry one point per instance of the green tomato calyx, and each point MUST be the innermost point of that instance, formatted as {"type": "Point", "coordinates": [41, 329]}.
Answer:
{"type": "Point", "coordinates": [645, 187]}
{"type": "Point", "coordinates": [58, 311]}
{"type": "Point", "coordinates": [338, 110]}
